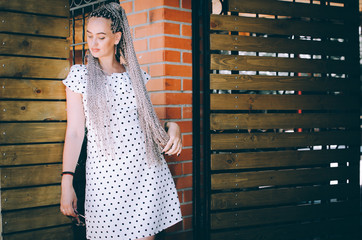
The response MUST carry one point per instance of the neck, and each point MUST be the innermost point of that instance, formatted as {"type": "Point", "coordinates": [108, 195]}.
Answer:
{"type": "Point", "coordinates": [110, 65]}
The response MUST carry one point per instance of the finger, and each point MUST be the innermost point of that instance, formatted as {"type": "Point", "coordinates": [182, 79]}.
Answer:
{"type": "Point", "coordinates": [168, 145]}
{"type": "Point", "coordinates": [175, 148]}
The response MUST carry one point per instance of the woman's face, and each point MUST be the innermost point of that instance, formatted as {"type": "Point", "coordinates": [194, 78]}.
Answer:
{"type": "Point", "coordinates": [100, 38]}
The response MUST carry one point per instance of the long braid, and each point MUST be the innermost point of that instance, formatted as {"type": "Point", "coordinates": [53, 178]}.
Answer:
{"type": "Point", "coordinates": [155, 136]}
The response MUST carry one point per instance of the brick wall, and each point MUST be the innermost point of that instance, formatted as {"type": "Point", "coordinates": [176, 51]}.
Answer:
{"type": "Point", "coordinates": [162, 38]}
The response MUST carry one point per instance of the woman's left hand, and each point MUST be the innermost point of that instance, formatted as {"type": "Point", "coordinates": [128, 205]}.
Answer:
{"type": "Point", "coordinates": [174, 145]}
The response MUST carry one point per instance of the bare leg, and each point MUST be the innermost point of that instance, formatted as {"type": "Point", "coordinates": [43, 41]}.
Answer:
{"type": "Point", "coordinates": [147, 238]}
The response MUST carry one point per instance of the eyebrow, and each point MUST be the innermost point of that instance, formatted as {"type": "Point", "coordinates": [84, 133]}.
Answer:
{"type": "Point", "coordinates": [97, 33]}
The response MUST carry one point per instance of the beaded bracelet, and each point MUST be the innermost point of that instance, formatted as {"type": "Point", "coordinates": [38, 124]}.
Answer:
{"type": "Point", "coordinates": [69, 173]}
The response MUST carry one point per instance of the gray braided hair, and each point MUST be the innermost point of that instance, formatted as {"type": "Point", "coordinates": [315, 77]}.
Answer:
{"type": "Point", "coordinates": [99, 96]}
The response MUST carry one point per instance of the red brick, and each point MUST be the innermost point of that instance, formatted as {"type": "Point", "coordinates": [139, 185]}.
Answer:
{"type": "Point", "coordinates": [183, 182]}
{"type": "Point", "coordinates": [170, 70]}
{"type": "Point", "coordinates": [171, 98]}
{"type": "Point", "coordinates": [186, 4]}
{"type": "Point", "coordinates": [179, 195]}
{"type": "Point", "coordinates": [160, 84]}
{"type": "Point", "coordinates": [176, 169]}
{"type": "Point", "coordinates": [187, 196]}
{"type": "Point", "coordinates": [170, 14]}
{"type": "Point", "coordinates": [147, 4]}
{"type": "Point", "coordinates": [186, 126]}
{"type": "Point", "coordinates": [187, 168]}
{"type": "Point", "coordinates": [187, 223]}
{"type": "Point", "coordinates": [137, 19]}
{"type": "Point", "coordinates": [127, 6]}
{"type": "Point", "coordinates": [186, 154]}
{"type": "Point", "coordinates": [159, 56]}
{"type": "Point", "coordinates": [170, 42]}
{"type": "Point", "coordinates": [186, 30]}
{"type": "Point", "coordinates": [187, 140]}
{"type": "Point", "coordinates": [186, 112]}
{"type": "Point", "coordinates": [186, 209]}
{"type": "Point", "coordinates": [168, 112]}
{"type": "Point", "coordinates": [140, 45]}
{"type": "Point", "coordinates": [156, 29]}
{"type": "Point", "coordinates": [187, 85]}
{"type": "Point", "coordinates": [187, 57]}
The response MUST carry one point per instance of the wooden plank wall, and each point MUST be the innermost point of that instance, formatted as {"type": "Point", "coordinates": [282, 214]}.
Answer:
{"type": "Point", "coordinates": [34, 52]}
{"type": "Point", "coordinates": [284, 120]}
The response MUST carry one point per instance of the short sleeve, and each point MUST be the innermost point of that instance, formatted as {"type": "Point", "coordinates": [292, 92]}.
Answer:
{"type": "Point", "coordinates": [76, 79]}
{"type": "Point", "coordinates": [146, 76]}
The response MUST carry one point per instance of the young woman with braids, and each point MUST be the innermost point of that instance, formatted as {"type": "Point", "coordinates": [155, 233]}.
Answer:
{"type": "Point", "coordinates": [130, 193]}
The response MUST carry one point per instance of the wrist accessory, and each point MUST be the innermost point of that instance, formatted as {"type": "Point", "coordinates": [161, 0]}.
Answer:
{"type": "Point", "coordinates": [67, 173]}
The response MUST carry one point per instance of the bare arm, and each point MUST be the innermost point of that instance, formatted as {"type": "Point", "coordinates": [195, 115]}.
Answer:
{"type": "Point", "coordinates": [174, 145]}
{"type": "Point", "coordinates": [72, 146]}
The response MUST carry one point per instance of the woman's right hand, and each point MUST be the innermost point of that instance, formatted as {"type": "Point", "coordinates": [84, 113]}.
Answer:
{"type": "Point", "coordinates": [68, 200]}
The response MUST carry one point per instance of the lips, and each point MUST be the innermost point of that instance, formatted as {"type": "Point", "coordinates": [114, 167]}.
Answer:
{"type": "Point", "coordinates": [95, 49]}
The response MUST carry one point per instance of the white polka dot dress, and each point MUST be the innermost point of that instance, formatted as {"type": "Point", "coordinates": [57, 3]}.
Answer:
{"type": "Point", "coordinates": [126, 199]}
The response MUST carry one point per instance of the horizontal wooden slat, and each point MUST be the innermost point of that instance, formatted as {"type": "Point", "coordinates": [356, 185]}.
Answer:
{"type": "Point", "coordinates": [30, 197]}
{"type": "Point", "coordinates": [276, 45]}
{"type": "Point", "coordinates": [34, 46]}
{"type": "Point", "coordinates": [55, 8]}
{"type": "Point", "coordinates": [298, 177]}
{"type": "Point", "coordinates": [280, 140]}
{"type": "Point", "coordinates": [277, 64]}
{"type": "Point", "coordinates": [21, 67]}
{"type": "Point", "coordinates": [292, 231]}
{"type": "Point", "coordinates": [267, 197]}
{"type": "Point", "coordinates": [54, 233]}
{"type": "Point", "coordinates": [30, 175]}
{"type": "Point", "coordinates": [282, 214]}
{"type": "Point", "coordinates": [35, 25]}
{"type": "Point", "coordinates": [276, 26]}
{"type": "Point", "coordinates": [32, 219]}
{"type": "Point", "coordinates": [287, 9]}
{"type": "Point", "coordinates": [31, 89]}
{"type": "Point", "coordinates": [31, 154]}
{"type": "Point", "coordinates": [219, 121]}
{"type": "Point", "coordinates": [32, 110]}
{"type": "Point", "coordinates": [32, 132]}
{"type": "Point", "coordinates": [282, 102]}
{"type": "Point", "coordinates": [263, 82]}
{"type": "Point", "coordinates": [275, 159]}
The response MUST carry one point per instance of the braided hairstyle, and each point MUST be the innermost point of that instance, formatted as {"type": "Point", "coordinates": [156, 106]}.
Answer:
{"type": "Point", "coordinates": [99, 96]}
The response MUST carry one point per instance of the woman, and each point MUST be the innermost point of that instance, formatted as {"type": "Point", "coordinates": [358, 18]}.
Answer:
{"type": "Point", "coordinates": [130, 193]}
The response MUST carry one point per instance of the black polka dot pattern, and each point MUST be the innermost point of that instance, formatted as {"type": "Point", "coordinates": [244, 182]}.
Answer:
{"type": "Point", "coordinates": [125, 198]}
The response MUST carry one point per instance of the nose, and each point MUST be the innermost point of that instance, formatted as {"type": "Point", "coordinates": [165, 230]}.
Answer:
{"type": "Point", "coordinates": [92, 43]}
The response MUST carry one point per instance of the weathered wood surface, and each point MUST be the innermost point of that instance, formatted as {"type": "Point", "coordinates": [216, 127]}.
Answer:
{"type": "Point", "coordinates": [32, 132]}
{"type": "Point", "coordinates": [269, 197]}
{"type": "Point", "coordinates": [276, 26]}
{"type": "Point", "coordinates": [12, 155]}
{"type": "Point", "coordinates": [262, 82]}
{"type": "Point", "coordinates": [33, 46]}
{"type": "Point", "coordinates": [291, 231]}
{"type": "Point", "coordinates": [26, 67]}
{"type": "Point", "coordinates": [282, 102]}
{"type": "Point", "coordinates": [297, 177]}
{"type": "Point", "coordinates": [56, 8]}
{"type": "Point", "coordinates": [30, 197]}
{"type": "Point", "coordinates": [220, 121]}
{"type": "Point", "coordinates": [33, 218]}
{"type": "Point", "coordinates": [32, 110]}
{"type": "Point", "coordinates": [276, 159]}
{"type": "Point", "coordinates": [30, 175]}
{"type": "Point", "coordinates": [281, 214]}
{"type": "Point", "coordinates": [54, 233]}
{"type": "Point", "coordinates": [280, 140]}
{"type": "Point", "coordinates": [33, 24]}
{"type": "Point", "coordinates": [31, 89]}
{"type": "Point", "coordinates": [277, 64]}
{"type": "Point", "coordinates": [274, 7]}
{"type": "Point", "coordinates": [276, 45]}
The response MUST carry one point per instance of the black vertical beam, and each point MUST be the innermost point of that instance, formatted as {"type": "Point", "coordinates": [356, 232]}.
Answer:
{"type": "Point", "coordinates": [201, 113]}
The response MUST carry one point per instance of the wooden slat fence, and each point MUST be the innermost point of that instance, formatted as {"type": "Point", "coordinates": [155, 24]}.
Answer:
{"type": "Point", "coordinates": [34, 59]}
{"type": "Point", "coordinates": [284, 120]}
